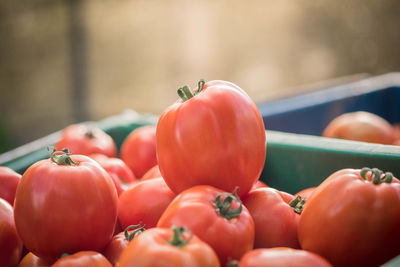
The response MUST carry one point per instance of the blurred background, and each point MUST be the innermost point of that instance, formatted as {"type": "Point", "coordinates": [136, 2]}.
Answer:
{"type": "Point", "coordinates": [67, 61]}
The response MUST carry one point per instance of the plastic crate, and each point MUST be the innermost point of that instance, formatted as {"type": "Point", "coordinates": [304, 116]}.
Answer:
{"type": "Point", "coordinates": [310, 113]}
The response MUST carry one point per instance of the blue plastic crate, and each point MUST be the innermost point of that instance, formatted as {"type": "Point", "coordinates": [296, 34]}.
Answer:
{"type": "Point", "coordinates": [310, 113]}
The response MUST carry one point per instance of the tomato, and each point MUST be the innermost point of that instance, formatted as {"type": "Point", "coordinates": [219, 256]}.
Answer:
{"type": "Point", "coordinates": [214, 136]}
{"type": "Point", "coordinates": [10, 243]}
{"type": "Point", "coordinates": [396, 133]}
{"type": "Point", "coordinates": [65, 204]}
{"type": "Point", "coordinates": [258, 184]}
{"type": "Point", "coordinates": [138, 150]}
{"type": "Point", "coordinates": [9, 180]}
{"type": "Point", "coordinates": [86, 139]}
{"type": "Point", "coordinates": [360, 126]}
{"type": "Point", "coordinates": [305, 193]}
{"type": "Point", "coordinates": [144, 202]}
{"type": "Point", "coordinates": [83, 259]}
{"type": "Point", "coordinates": [216, 217]}
{"type": "Point", "coordinates": [120, 241]}
{"type": "Point", "coordinates": [352, 218]}
{"type": "Point", "coordinates": [154, 172]}
{"type": "Point", "coordinates": [274, 217]}
{"type": "Point", "coordinates": [31, 260]}
{"type": "Point", "coordinates": [120, 172]}
{"type": "Point", "coordinates": [168, 247]}
{"type": "Point", "coordinates": [282, 256]}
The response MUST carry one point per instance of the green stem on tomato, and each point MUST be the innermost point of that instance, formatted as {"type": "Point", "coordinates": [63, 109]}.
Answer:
{"type": "Point", "coordinates": [224, 207]}
{"type": "Point", "coordinates": [185, 93]}
{"type": "Point", "coordinates": [297, 204]}
{"type": "Point", "coordinates": [177, 237]}
{"type": "Point", "coordinates": [62, 157]}
{"type": "Point", "coordinates": [139, 228]}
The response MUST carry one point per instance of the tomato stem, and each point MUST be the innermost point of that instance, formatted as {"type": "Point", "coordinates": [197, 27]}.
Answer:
{"type": "Point", "coordinates": [233, 263]}
{"type": "Point", "coordinates": [297, 204]}
{"type": "Point", "coordinates": [89, 134]}
{"type": "Point", "coordinates": [63, 159]}
{"type": "Point", "coordinates": [140, 228]}
{"type": "Point", "coordinates": [185, 93]}
{"type": "Point", "coordinates": [177, 237]}
{"type": "Point", "coordinates": [224, 207]}
{"type": "Point", "coordinates": [378, 175]}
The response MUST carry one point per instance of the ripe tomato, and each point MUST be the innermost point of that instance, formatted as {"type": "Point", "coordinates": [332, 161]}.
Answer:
{"type": "Point", "coordinates": [215, 136]}
{"type": "Point", "coordinates": [9, 180]}
{"type": "Point", "coordinates": [274, 218]}
{"type": "Point", "coordinates": [10, 243]}
{"type": "Point", "coordinates": [120, 172]}
{"type": "Point", "coordinates": [154, 172]}
{"type": "Point", "coordinates": [164, 247]}
{"type": "Point", "coordinates": [353, 218]}
{"type": "Point", "coordinates": [216, 217]}
{"type": "Point", "coordinates": [83, 259]}
{"type": "Point", "coordinates": [65, 204]}
{"type": "Point", "coordinates": [86, 139]}
{"type": "Point", "coordinates": [360, 126]}
{"type": "Point", "coordinates": [144, 202]}
{"type": "Point", "coordinates": [281, 256]}
{"type": "Point", "coordinates": [120, 241]}
{"type": "Point", "coordinates": [138, 150]}
{"type": "Point", "coordinates": [31, 260]}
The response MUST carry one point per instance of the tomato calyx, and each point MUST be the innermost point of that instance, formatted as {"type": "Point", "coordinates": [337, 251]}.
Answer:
{"type": "Point", "coordinates": [297, 204]}
{"type": "Point", "coordinates": [185, 93]}
{"type": "Point", "coordinates": [62, 157]}
{"type": "Point", "coordinates": [139, 228]}
{"type": "Point", "coordinates": [224, 207]}
{"type": "Point", "coordinates": [177, 237]}
{"type": "Point", "coordinates": [376, 176]}
{"type": "Point", "coordinates": [233, 263]}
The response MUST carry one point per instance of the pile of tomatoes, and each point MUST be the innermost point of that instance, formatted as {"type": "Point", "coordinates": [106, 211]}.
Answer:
{"type": "Point", "coordinates": [186, 193]}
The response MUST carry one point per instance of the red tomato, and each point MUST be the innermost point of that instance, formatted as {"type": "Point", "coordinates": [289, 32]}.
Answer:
{"type": "Point", "coordinates": [9, 180]}
{"type": "Point", "coordinates": [259, 184]}
{"type": "Point", "coordinates": [396, 133]}
{"type": "Point", "coordinates": [152, 173]}
{"type": "Point", "coordinates": [216, 217]}
{"type": "Point", "coordinates": [275, 219]}
{"type": "Point", "coordinates": [31, 260]}
{"type": "Point", "coordinates": [216, 137]}
{"type": "Point", "coordinates": [10, 243]}
{"type": "Point", "coordinates": [281, 256]}
{"type": "Point", "coordinates": [83, 259]}
{"type": "Point", "coordinates": [144, 202]}
{"type": "Point", "coordinates": [305, 193]}
{"type": "Point", "coordinates": [360, 126]}
{"type": "Point", "coordinates": [138, 150]}
{"type": "Point", "coordinates": [164, 247]}
{"type": "Point", "coordinates": [120, 172]}
{"type": "Point", "coordinates": [86, 139]}
{"type": "Point", "coordinates": [120, 241]}
{"type": "Point", "coordinates": [353, 218]}
{"type": "Point", "coordinates": [65, 204]}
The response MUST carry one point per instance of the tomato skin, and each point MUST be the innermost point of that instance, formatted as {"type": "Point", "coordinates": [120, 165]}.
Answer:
{"type": "Point", "coordinates": [144, 202]}
{"type": "Point", "coordinates": [154, 172]}
{"type": "Point", "coordinates": [10, 243]}
{"type": "Point", "coordinates": [120, 172]}
{"type": "Point", "coordinates": [193, 209]}
{"type": "Point", "coordinates": [53, 201]}
{"type": "Point", "coordinates": [360, 126]}
{"type": "Point", "coordinates": [138, 150]}
{"type": "Point", "coordinates": [275, 221]}
{"type": "Point", "coordinates": [76, 138]}
{"type": "Point", "coordinates": [9, 180]}
{"type": "Point", "coordinates": [83, 259]}
{"type": "Point", "coordinates": [216, 138]}
{"type": "Point", "coordinates": [151, 248]}
{"type": "Point", "coordinates": [114, 249]}
{"type": "Point", "coordinates": [282, 256]}
{"type": "Point", "coordinates": [305, 193]}
{"type": "Point", "coordinates": [365, 217]}
{"type": "Point", "coordinates": [31, 260]}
